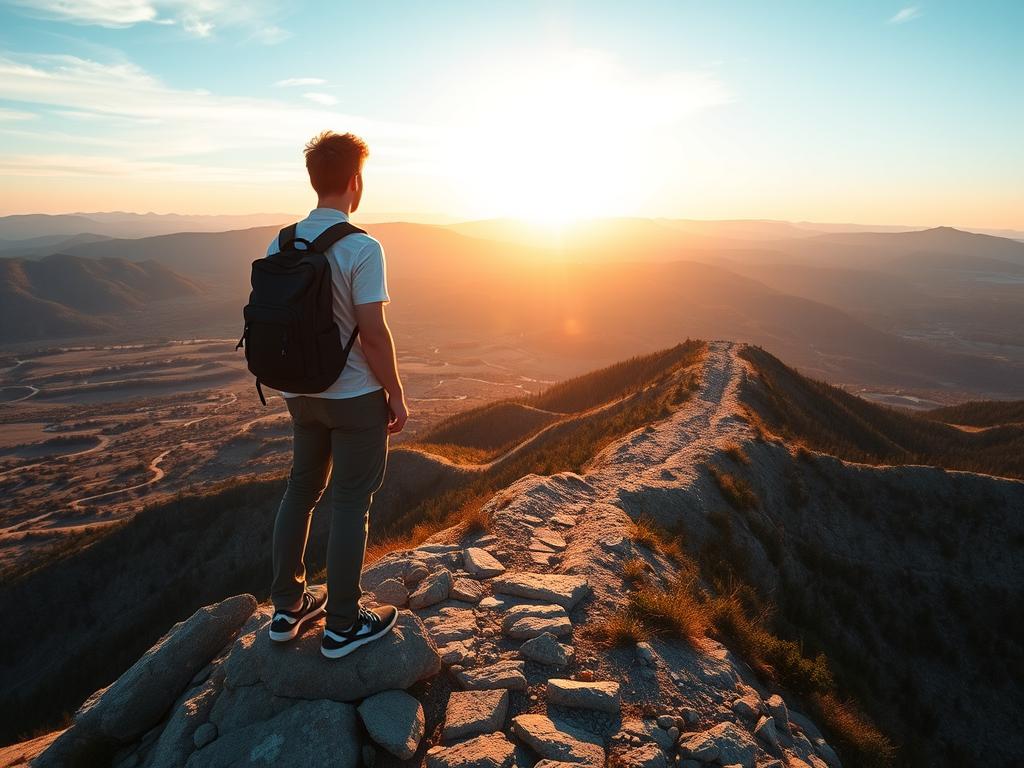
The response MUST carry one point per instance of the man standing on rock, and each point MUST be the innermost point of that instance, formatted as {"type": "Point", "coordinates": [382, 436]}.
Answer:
{"type": "Point", "coordinates": [340, 434]}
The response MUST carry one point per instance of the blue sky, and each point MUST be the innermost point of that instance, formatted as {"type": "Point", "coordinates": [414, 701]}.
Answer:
{"type": "Point", "coordinates": [869, 111]}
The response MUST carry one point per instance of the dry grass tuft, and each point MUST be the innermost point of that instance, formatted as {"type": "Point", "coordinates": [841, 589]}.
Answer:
{"type": "Point", "coordinates": [736, 453]}
{"type": "Point", "coordinates": [621, 629]}
{"type": "Point", "coordinates": [647, 532]}
{"type": "Point", "coordinates": [734, 489]}
{"type": "Point", "coordinates": [635, 569]}
{"type": "Point", "coordinates": [852, 728]}
{"type": "Point", "coordinates": [677, 610]}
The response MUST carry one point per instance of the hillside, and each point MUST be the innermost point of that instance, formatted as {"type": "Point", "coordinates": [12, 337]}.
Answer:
{"type": "Point", "coordinates": [63, 295]}
{"type": "Point", "coordinates": [577, 303]}
{"type": "Point", "coordinates": [702, 567]}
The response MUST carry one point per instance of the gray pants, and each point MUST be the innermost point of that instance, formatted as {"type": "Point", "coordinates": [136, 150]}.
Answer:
{"type": "Point", "coordinates": [350, 433]}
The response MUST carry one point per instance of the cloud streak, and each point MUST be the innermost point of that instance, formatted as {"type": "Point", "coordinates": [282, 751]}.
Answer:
{"type": "Point", "coordinates": [291, 82]}
{"type": "Point", "coordinates": [198, 19]}
{"type": "Point", "coordinates": [118, 119]}
{"type": "Point", "coordinates": [904, 15]}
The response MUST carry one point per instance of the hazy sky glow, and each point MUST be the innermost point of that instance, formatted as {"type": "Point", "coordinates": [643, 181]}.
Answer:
{"type": "Point", "coordinates": [879, 112]}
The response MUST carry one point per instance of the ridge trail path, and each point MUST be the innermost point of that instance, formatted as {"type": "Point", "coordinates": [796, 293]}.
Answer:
{"type": "Point", "coordinates": [565, 540]}
{"type": "Point", "coordinates": [700, 418]}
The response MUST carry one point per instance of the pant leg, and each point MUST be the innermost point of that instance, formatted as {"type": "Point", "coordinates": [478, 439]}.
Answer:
{"type": "Point", "coordinates": [311, 466]}
{"type": "Point", "coordinates": [359, 442]}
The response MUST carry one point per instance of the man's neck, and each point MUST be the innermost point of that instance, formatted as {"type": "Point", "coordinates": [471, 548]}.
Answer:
{"type": "Point", "coordinates": [337, 203]}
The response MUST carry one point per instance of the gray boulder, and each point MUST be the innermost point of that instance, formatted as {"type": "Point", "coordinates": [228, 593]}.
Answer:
{"type": "Point", "coordinates": [141, 697]}
{"type": "Point", "coordinates": [309, 733]}
{"type": "Point", "coordinates": [298, 669]}
{"type": "Point", "coordinates": [394, 720]}
{"type": "Point", "coordinates": [545, 649]}
{"type": "Point", "coordinates": [726, 742]}
{"type": "Point", "coordinates": [177, 738]}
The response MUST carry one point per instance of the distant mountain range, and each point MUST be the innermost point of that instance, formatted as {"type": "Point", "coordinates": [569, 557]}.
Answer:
{"type": "Point", "coordinates": [63, 295]}
{"type": "Point", "coordinates": [934, 309]}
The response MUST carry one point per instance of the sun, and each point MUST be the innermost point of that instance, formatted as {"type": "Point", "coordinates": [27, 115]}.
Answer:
{"type": "Point", "coordinates": [551, 141]}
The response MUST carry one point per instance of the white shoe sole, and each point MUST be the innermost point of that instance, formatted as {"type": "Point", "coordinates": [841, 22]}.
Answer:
{"type": "Point", "coordinates": [345, 650]}
{"type": "Point", "coordinates": [281, 637]}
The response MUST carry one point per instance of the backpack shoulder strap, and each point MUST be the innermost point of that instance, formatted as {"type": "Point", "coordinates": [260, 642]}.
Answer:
{"type": "Point", "coordinates": [333, 234]}
{"type": "Point", "coordinates": [286, 236]}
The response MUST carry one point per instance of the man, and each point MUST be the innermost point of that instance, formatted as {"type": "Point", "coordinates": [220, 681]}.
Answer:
{"type": "Point", "coordinates": [341, 433]}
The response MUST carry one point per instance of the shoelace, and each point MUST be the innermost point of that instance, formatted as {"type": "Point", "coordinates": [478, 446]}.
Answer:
{"type": "Point", "coordinates": [306, 602]}
{"type": "Point", "coordinates": [368, 615]}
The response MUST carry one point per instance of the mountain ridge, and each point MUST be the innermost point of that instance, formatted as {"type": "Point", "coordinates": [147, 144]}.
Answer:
{"type": "Point", "coordinates": [711, 472]}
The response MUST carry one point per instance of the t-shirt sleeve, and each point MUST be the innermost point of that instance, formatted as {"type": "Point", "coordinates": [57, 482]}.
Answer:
{"type": "Point", "coordinates": [369, 277]}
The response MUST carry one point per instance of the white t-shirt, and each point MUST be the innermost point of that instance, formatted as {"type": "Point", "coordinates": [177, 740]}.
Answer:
{"type": "Point", "coordinates": [359, 276]}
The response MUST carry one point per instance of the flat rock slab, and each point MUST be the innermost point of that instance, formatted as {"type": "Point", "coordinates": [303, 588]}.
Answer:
{"type": "Point", "coordinates": [543, 559]}
{"type": "Point", "coordinates": [307, 733]}
{"type": "Point", "coordinates": [524, 622]}
{"type": "Point", "coordinates": [600, 696]}
{"type": "Point", "coordinates": [394, 720]}
{"type": "Point", "coordinates": [473, 712]}
{"type": "Point", "coordinates": [491, 750]}
{"type": "Point", "coordinates": [555, 740]}
{"type": "Point", "coordinates": [298, 669]}
{"type": "Point", "coordinates": [452, 624]}
{"type": "Point", "coordinates": [433, 589]}
{"type": "Point", "coordinates": [563, 519]}
{"type": "Point", "coordinates": [564, 590]}
{"type": "Point", "coordinates": [549, 538]}
{"type": "Point", "coordinates": [502, 674]}
{"type": "Point", "coordinates": [545, 649]}
{"type": "Point", "coordinates": [536, 545]}
{"type": "Point", "coordinates": [468, 590]}
{"type": "Point", "coordinates": [481, 563]}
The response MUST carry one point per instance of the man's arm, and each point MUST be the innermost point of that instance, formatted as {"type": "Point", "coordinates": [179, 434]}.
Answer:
{"type": "Point", "coordinates": [379, 349]}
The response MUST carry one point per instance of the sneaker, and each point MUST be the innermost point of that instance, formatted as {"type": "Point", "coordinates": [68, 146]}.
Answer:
{"type": "Point", "coordinates": [286, 624]}
{"type": "Point", "coordinates": [370, 626]}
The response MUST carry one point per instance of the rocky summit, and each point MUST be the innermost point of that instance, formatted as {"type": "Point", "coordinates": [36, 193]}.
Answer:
{"type": "Point", "coordinates": [497, 659]}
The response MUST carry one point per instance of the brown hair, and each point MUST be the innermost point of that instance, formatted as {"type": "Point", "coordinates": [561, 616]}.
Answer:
{"type": "Point", "coordinates": [332, 159]}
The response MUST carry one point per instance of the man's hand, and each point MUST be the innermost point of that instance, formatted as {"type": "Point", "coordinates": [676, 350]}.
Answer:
{"type": "Point", "coordinates": [379, 348]}
{"type": "Point", "coordinates": [399, 415]}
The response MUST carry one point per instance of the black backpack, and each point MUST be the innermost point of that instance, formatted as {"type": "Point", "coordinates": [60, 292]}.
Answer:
{"type": "Point", "coordinates": [291, 340]}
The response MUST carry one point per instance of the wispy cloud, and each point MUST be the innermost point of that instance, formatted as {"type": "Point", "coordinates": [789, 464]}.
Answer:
{"type": "Point", "coordinates": [290, 82]}
{"type": "Point", "coordinates": [321, 98]}
{"type": "Point", "coordinates": [116, 118]}
{"type": "Point", "coordinates": [904, 15]}
{"type": "Point", "coordinates": [104, 13]}
{"type": "Point", "coordinates": [198, 19]}
{"type": "Point", "coordinates": [15, 115]}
